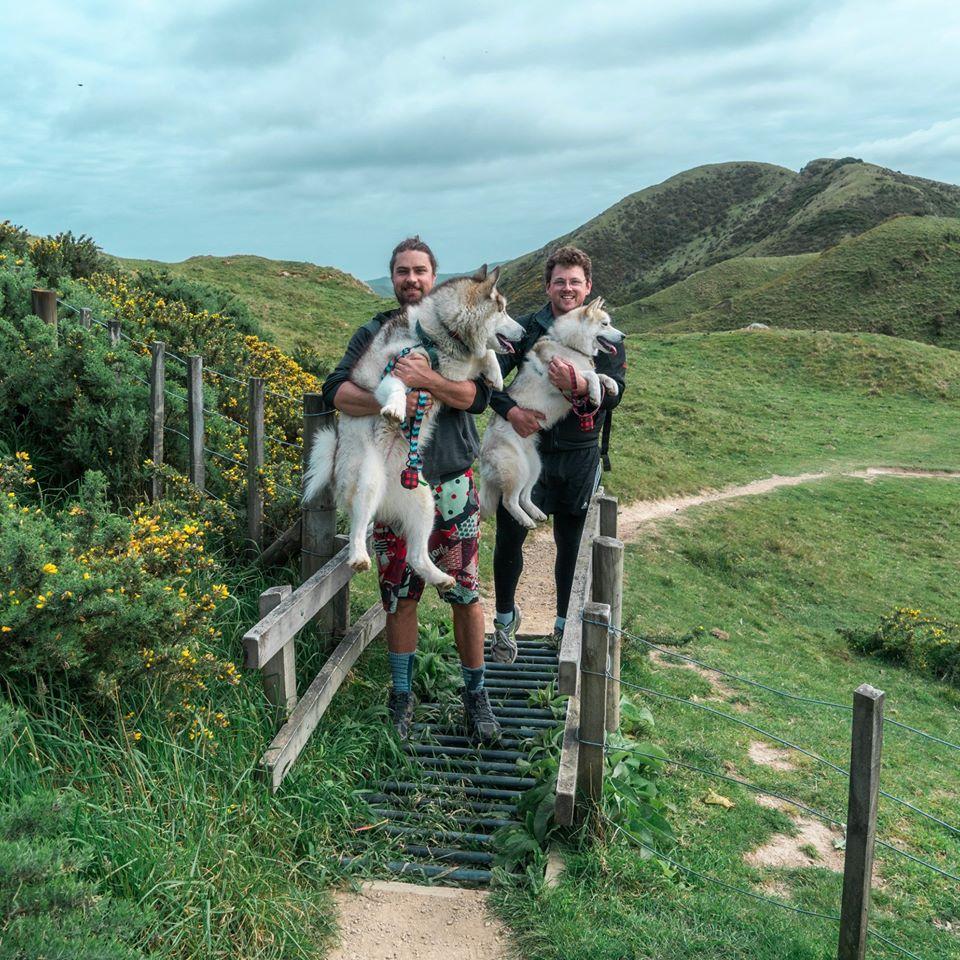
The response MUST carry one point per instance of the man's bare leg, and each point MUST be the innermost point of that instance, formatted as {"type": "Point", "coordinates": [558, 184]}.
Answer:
{"type": "Point", "coordinates": [468, 633]}
{"type": "Point", "coordinates": [402, 628]}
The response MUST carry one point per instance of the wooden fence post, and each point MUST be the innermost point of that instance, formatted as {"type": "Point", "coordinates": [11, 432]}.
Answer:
{"type": "Point", "coordinates": [44, 304]}
{"type": "Point", "coordinates": [608, 589]}
{"type": "Point", "coordinates": [255, 463]}
{"type": "Point", "coordinates": [280, 671]}
{"type": "Point", "coordinates": [195, 410]}
{"type": "Point", "coordinates": [157, 394]}
{"type": "Point", "coordinates": [866, 743]}
{"type": "Point", "coordinates": [86, 317]}
{"type": "Point", "coordinates": [114, 327]}
{"type": "Point", "coordinates": [318, 528]}
{"type": "Point", "coordinates": [593, 698]}
{"type": "Point", "coordinates": [608, 515]}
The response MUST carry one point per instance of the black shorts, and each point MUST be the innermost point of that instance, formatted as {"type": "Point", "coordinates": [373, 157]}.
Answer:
{"type": "Point", "coordinates": [568, 480]}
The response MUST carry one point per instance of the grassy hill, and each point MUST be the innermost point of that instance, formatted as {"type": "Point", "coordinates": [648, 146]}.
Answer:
{"type": "Point", "coordinates": [665, 233]}
{"type": "Point", "coordinates": [901, 278]}
{"type": "Point", "coordinates": [704, 289]}
{"type": "Point", "coordinates": [300, 305]}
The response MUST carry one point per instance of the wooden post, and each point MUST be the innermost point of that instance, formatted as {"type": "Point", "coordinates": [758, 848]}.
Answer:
{"type": "Point", "coordinates": [44, 304]}
{"type": "Point", "coordinates": [195, 410]}
{"type": "Point", "coordinates": [157, 384]}
{"type": "Point", "coordinates": [608, 515]}
{"type": "Point", "coordinates": [114, 327]}
{"type": "Point", "coordinates": [866, 743]}
{"type": "Point", "coordinates": [340, 605]}
{"type": "Point", "coordinates": [85, 317]}
{"type": "Point", "coordinates": [608, 589]}
{"type": "Point", "coordinates": [280, 671]}
{"type": "Point", "coordinates": [593, 698]}
{"type": "Point", "coordinates": [255, 463]}
{"type": "Point", "coordinates": [319, 517]}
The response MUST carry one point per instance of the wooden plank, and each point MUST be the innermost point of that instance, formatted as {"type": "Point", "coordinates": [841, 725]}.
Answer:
{"type": "Point", "coordinates": [43, 303]}
{"type": "Point", "coordinates": [579, 594]}
{"type": "Point", "coordinates": [195, 411]}
{"type": "Point", "coordinates": [157, 400]}
{"type": "Point", "coordinates": [865, 747]}
{"type": "Point", "coordinates": [593, 699]}
{"type": "Point", "coordinates": [569, 763]}
{"type": "Point", "coordinates": [280, 671]}
{"type": "Point", "coordinates": [607, 588]}
{"type": "Point", "coordinates": [265, 638]}
{"type": "Point", "coordinates": [86, 317]}
{"type": "Point", "coordinates": [290, 741]}
{"type": "Point", "coordinates": [608, 515]}
{"type": "Point", "coordinates": [319, 516]}
{"type": "Point", "coordinates": [283, 547]}
{"type": "Point", "coordinates": [255, 387]}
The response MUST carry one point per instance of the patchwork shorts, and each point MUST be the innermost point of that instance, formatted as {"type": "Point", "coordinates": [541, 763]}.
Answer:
{"type": "Point", "coordinates": [454, 547]}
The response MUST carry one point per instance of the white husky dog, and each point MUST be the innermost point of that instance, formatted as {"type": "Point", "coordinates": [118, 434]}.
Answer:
{"type": "Point", "coordinates": [467, 321]}
{"type": "Point", "coordinates": [510, 464]}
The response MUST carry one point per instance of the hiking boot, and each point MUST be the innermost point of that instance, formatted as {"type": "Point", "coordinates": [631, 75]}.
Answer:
{"type": "Point", "coordinates": [503, 649]}
{"type": "Point", "coordinates": [556, 637]}
{"type": "Point", "coordinates": [400, 705]}
{"type": "Point", "coordinates": [481, 724]}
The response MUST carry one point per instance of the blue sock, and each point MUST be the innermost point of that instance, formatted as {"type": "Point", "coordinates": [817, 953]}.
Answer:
{"type": "Point", "coordinates": [411, 664]}
{"type": "Point", "coordinates": [401, 668]}
{"type": "Point", "coordinates": [560, 623]}
{"type": "Point", "coordinates": [472, 678]}
{"type": "Point", "coordinates": [504, 619]}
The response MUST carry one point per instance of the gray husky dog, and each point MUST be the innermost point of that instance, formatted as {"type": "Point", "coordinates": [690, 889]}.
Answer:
{"type": "Point", "coordinates": [510, 464]}
{"type": "Point", "coordinates": [467, 323]}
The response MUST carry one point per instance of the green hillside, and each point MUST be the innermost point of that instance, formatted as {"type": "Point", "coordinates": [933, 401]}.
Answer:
{"type": "Point", "coordinates": [901, 278]}
{"type": "Point", "coordinates": [300, 305]}
{"type": "Point", "coordinates": [665, 233]}
{"type": "Point", "coordinates": [705, 288]}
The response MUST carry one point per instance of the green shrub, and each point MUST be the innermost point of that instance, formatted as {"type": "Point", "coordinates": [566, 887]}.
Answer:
{"type": "Point", "coordinates": [14, 240]}
{"type": "Point", "coordinates": [17, 278]}
{"type": "Point", "coordinates": [909, 638]}
{"type": "Point", "coordinates": [95, 601]}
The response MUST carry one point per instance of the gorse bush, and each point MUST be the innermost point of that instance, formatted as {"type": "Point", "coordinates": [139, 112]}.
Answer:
{"type": "Point", "coordinates": [95, 601]}
{"type": "Point", "coordinates": [909, 638]}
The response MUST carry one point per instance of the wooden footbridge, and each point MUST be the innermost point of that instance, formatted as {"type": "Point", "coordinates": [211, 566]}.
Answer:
{"type": "Point", "coordinates": [447, 802]}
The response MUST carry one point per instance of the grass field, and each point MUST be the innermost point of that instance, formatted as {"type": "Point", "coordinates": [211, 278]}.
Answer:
{"type": "Point", "coordinates": [779, 573]}
{"type": "Point", "coordinates": [721, 282]}
{"type": "Point", "coordinates": [300, 305]}
{"type": "Point", "coordinates": [899, 279]}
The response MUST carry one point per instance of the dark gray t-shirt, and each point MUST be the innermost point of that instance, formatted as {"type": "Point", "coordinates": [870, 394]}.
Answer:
{"type": "Point", "coordinates": [455, 442]}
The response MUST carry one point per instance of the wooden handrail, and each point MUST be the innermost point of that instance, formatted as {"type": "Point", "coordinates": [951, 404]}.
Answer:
{"type": "Point", "coordinates": [292, 738]}
{"type": "Point", "coordinates": [264, 639]}
{"type": "Point", "coordinates": [580, 593]}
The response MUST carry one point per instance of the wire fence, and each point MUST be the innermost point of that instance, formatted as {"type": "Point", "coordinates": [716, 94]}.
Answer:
{"type": "Point", "coordinates": [771, 689]}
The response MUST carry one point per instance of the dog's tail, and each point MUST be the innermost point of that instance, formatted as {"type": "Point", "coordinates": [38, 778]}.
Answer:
{"type": "Point", "coordinates": [323, 455]}
{"type": "Point", "coordinates": [489, 493]}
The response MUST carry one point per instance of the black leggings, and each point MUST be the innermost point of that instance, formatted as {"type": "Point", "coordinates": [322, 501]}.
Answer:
{"type": "Point", "coordinates": [508, 557]}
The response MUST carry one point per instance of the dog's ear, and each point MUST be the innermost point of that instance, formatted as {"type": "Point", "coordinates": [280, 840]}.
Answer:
{"type": "Point", "coordinates": [594, 306]}
{"type": "Point", "coordinates": [495, 275]}
{"type": "Point", "coordinates": [481, 274]}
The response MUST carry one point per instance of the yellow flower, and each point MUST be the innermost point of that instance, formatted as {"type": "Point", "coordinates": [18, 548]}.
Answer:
{"type": "Point", "coordinates": [5, 629]}
{"type": "Point", "coordinates": [50, 568]}
{"type": "Point", "coordinates": [137, 735]}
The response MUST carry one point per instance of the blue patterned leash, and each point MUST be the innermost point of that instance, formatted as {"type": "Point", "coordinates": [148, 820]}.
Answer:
{"type": "Point", "coordinates": [410, 475]}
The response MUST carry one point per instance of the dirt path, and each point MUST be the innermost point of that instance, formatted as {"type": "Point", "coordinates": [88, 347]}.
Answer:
{"type": "Point", "coordinates": [536, 595]}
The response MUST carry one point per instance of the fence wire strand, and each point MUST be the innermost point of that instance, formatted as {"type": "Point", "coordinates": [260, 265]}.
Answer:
{"type": "Point", "coordinates": [763, 686]}
{"type": "Point", "coordinates": [720, 883]}
{"type": "Point", "coordinates": [772, 736]}
{"type": "Point", "coordinates": [770, 793]}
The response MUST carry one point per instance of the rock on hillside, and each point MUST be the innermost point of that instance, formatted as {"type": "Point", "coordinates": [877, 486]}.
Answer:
{"type": "Point", "coordinates": [660, 235]}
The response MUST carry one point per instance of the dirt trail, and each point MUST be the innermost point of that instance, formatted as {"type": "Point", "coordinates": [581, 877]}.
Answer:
{"type": "Point", "coordinates": [536, 595]}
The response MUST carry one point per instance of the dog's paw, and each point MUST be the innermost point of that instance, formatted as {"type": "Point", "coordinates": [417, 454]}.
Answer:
{"type": "Point", "coordinates": [360, 563]}
{"type": "Point", "coordinates": [535, 514]}
{"type": "Point", "coordinates": [394, 412]}
{"type": "Point", "coordinates": [447, 583]}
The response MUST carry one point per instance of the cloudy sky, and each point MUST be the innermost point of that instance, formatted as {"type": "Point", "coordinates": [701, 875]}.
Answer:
{"type": "Point", "coordinates": [322, 131]}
